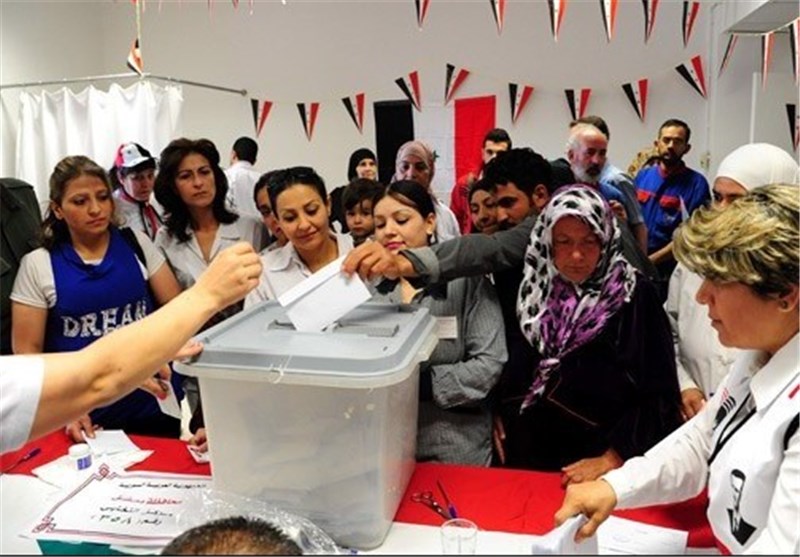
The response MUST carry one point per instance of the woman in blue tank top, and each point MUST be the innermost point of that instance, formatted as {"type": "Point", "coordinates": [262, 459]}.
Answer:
{"type": "Point", "coordinates": [88, 279]}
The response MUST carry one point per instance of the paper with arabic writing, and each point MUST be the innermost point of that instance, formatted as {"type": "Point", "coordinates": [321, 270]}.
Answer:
{"type": "Point", "coordinates": [139, 508]}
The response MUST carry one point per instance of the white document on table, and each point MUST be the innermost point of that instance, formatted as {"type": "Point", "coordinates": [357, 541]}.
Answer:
{"type": "Point", "coordinates": [561, 540]}
{"type": "Point", "coordinates": [110, 441]}
{"type": "Point", "coordinates": [323, 298]}
{"type": "Point", "coordinates": [619, 536]}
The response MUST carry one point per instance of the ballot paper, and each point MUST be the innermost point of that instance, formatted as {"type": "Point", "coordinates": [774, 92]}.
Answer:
{"type": "Point", "coordinates": [169, 405]}
{"type": "Point", "coordinates": [323, 298]}
{"type": "Point", "coordinates": [561, 540]}
{"type": "Point", "coordinates": [110, 441]}
{"type": "Point", "coordinates": [619, 536]}
{"type": "Point", "coordinates": [62, 472]}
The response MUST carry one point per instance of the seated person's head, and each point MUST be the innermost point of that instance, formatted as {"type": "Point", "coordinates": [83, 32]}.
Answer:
{"type": "Point", "coordinates": [404, 216]}
{"type": "Point", "coordinates": [301, 205]}
{"type": "Point", "coordinates": [483, 207]}
{"type": "Point", "coordinates": [261, 197]}
{"type": "Point", "coordinates": [233, 536]}
{"type": "Point", "coordinates": [357, 201]}
{"type": "Point", "coordinates": [522, 185]}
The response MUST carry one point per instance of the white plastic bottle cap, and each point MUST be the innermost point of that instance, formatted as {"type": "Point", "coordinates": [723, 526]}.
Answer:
{"type": "Point", "coordinates": [81, 455]}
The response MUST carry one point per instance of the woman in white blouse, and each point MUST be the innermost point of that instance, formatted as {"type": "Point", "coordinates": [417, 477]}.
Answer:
{"type": "Point", "coordinates": [302, 207]}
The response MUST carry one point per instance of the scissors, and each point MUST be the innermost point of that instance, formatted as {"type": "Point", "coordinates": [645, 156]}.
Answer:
{"type": "Point", "coordinates": [426, 498]}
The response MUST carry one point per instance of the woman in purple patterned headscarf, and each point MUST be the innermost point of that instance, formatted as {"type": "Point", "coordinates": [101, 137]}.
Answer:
{"type": "Point", "coordinates": [603, 386]}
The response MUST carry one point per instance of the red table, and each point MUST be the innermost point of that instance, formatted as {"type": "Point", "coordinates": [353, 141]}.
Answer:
{"type": "Point", "coordinates": [499, 499]}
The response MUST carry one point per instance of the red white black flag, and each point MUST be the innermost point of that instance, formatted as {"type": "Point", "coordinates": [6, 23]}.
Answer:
{"type": "Point", "coordinates": [422, 11]}
{"type": "Point", "coordinates": [308, 114]}
{"type": "Point", "coordinates": [135, 58]}
{"type": "Point", "coordinates": [637, 95]}
{"type": "Point", "coordinates": [728, 53]}
{"type": "Point", "coordinates": [692, 72]}
{"type": "Point", "coordinates": [690, 10]}
{"type": "Point", "coordinates": [260, 113]}
{"type": "Point", "coordinates": [794, 124]}
{"type": "Point", "coordinates": [519, 97]}
{"type": "Point", "coordinates": [579, 110]}
{"type": "Point", "coordinates": [451, 85]}
{"type": "Point", "coordinates": [609, 9]}
{"type": "Point", "coordinates": [557, 9]}
{"type": "Point", "coordinates": [650, 7]}
{"type": "Point", "coordinates": [794, 45]}
{"type": "Point", "coordinates": [410, 87]}
{"type": "Point", "coordinates": [355, 108]}
{"type": "Point", "coordinates": [499, 13]}
{"type": "Point", "coordinates": [767, 42]}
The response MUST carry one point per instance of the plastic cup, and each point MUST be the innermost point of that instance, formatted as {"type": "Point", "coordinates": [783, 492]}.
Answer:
{"type": "Point", "coordinates": [459, 537]}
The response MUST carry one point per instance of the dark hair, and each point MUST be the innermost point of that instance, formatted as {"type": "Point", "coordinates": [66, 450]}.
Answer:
{"type": "Point", "coordinates": [480, 185]}
{"type": "Point", "coordinates": [411, 194]}
{"type": "Point", "coordinates": [288, 177]}
{"type": "Point", "coordinates": [234, 535]}
{"type": "Point", "coordinates": [265, 181]}
{"type": "Point", "coordinates": [524, 167]}
{"type": "Point", "coordinates": [497, 135]}
{"type": "Point", "coordinates": [675, 123]}
{"type": "Point", "coordinates": [56, 231]}
{"type": "Point", "coordinates": [360, 189]}
{"type": "Point", "coordinates": [595, 121]}
{"type": "Point", "coordinates": [177, 214]}
{"type": "Point", "coordinates": [358, 156]}
{"type": "Point", "coordinates": [246, 149]}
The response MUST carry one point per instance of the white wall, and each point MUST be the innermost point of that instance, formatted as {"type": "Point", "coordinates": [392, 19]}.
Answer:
{"type": "Point", "coordinates": [324, 50]}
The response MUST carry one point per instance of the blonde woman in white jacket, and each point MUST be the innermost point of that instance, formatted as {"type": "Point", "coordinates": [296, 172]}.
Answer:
{"type": "Point", "coordinates": [702, 361]}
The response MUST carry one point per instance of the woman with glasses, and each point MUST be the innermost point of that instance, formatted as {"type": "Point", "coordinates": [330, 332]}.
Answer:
{"type": "Point", "coordinates": [302, 209]}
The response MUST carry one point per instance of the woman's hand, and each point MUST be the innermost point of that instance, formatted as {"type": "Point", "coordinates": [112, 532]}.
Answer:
{"type": "Point", "coordinates": [588, 469]}
{"type": "Point", "coordinates": [692, 401]}
{"type": "Point", "coordinates": [200, 440]}
{"type": "Point", "coordinates": [76, 429]}
{"type": "Point", "coordinates": [595, 500]}
{"type": "Point", "coordinates": [499, 438]}
{"type": "Point", "coordinates": [371, 260]}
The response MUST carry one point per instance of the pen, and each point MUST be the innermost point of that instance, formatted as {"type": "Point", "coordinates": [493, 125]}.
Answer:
{"type": "Point", "coordinates": [451, 508]}
{"type": "Point", "coordinates": [27, 456]}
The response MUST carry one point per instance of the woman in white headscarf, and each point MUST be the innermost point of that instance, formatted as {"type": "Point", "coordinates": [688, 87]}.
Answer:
{"type": "Point", "coordinates": [701, 360]}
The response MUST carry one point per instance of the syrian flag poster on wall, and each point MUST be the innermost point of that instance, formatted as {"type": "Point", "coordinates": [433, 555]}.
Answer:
{"type": "Point", "coordinates": [637, 95]}
{"type": "Point", "coordinates": [455, 133]}
{"type": "Point", "coordinates": [692, 71]}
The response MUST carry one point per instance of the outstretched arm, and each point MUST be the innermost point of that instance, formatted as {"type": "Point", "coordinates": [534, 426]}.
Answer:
{"type": "Point", "coordinates": [114, 365]}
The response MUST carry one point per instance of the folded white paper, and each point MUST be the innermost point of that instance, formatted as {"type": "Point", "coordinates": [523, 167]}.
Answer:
{"type": "Point", "coordinates": [170, 405]}
{"type": "Point", "coordinates": [110, 441]}
{"type": "Point", "coordinates": [62, 471]}
{"type": "Point", "coordinates": [323, 298]}
{"type": "Point", "coordinates": [561, 540]}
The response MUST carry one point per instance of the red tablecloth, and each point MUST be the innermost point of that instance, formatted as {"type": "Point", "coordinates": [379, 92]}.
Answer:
{"type": "Point", "coordinates": [496, 499]}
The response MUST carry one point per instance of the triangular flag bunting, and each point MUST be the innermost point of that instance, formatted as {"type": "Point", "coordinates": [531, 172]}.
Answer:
{"type": "Point", "coordinates": [260, 113]}
{"type": "Point", "coordinates": [499, 13]}
{"type": "Point", "coordinates": [578, 111]}
{"type": "Point", "coordinates": [308, 114]}
{"type": "Point", "coordinates": [410, 87]}
{"type": "Point", "coordinates": [557, 9]}
{"type": "Point", "coordinates": [693, 73]}
{"type": "Point", "coordinates": [689, 16]}
{"type": "Point", "coordinates": [452, 85]}
{"type": "Point", "coordinates": [135, 58]}
{"type": "Point", "coordinates": [422, 11]}
{"type": "Point", "coordinates": [794, 124]}
{"type": "Point", "coordinates": [728, 52]}
{"type": "Point", "coordinates": [609, 9]}
{"type": "Point", "coordinates": [519, 98]}
{"type": "Point", "coordinates": [794, 45]}
{"type": "Point", "coordinates": [356, 110]}
{"type": "Point", "coordinates": [767, 42]}
{"type": "Point", "coordinates": [637, 95]}
{"type": "Point", "coordinates": [650, 7]}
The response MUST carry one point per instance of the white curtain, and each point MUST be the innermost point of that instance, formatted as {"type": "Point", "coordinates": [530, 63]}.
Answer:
{"type": "Point", "coordinates": [92, 123]}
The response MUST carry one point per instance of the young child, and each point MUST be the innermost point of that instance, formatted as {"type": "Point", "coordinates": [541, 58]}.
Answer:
{"type": "Point", "coordinates": [358, 199]}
